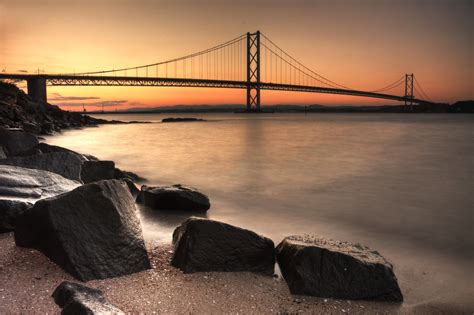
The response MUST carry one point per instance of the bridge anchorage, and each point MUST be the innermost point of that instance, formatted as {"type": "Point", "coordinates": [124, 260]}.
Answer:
{"type": "Point", "coordinates": [250, 61]}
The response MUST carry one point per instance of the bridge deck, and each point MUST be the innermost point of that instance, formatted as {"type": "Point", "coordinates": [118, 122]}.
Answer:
{"type": "Point", "coordinates": [77, 80]}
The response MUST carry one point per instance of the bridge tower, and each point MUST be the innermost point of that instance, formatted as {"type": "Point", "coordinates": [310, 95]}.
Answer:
{"type": "Point", "coordinates": [253, 71]}
{"type": "Point", "coordinates": [409, 80]}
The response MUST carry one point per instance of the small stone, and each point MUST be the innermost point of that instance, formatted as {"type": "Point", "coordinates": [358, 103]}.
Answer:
{"type": "Point", "coordinates": [76, 298]}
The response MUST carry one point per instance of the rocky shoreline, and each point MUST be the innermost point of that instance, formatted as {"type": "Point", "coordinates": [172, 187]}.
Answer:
{"type": "Point", "coordinates": [67, 216]}
{"type": "Point", "coordinates": [19, 111]}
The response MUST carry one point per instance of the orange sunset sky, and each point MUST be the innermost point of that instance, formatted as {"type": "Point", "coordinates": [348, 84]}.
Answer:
{"type": "Point", "coordinates": [364, 44]}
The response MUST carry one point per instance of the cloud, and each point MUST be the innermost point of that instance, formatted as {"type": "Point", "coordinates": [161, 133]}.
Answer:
{"type": "Point", "coordinates": [59, 97]}
{"type": "Point", "coordinates": [22, 71]}
{"type": "Point", "coordinates": [71, 104]}
{"type": "Point", "coordinates": [111, 103]}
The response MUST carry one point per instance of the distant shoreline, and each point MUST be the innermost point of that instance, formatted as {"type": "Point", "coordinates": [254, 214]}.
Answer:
{"type": "Point", "coordinates": [458, 107]}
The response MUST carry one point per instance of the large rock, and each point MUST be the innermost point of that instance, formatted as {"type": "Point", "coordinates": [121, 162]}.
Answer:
{"type": "Point", "coordinates": [77, 299]}
{"type": "Point", "coordinates": [120, 174]}
{"type": "Point", "coordinates": [3, 155]}
{"type": "Point", "coordinates": [9, 211]}
{"type": "Point", "coordinates": [94, 169]}
{"type": "Point", "coordinates": [47, 148]}
{"type": "Point", "coordinates": [30, 184]}
{"type": "Point", "coordinates": [97, 170]}
{"type": "Point", "coordinates": [31, 127]}
{"type": "Point", "coordinates": [16, 141]}
{"type": "Point", "coordinates": [207, 245]}
{"type": "Point", "coordinates": [326, 268]}
{"type": "Point", "coordinates": [176, 197]}
{"type": "Point", "coordinates": [66, 164]}
{"type": "Point", "coordinates": [92, 232]}
{"type": "Point", "coordinates": [131, 186]}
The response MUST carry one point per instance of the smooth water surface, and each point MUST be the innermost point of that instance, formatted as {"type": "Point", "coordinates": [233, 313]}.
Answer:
{"type": "Point", "coordinates": [400, 183]}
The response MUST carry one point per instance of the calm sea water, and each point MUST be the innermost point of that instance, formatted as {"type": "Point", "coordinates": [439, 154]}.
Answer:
{"type": "Point", "coordinates": [402, 184]}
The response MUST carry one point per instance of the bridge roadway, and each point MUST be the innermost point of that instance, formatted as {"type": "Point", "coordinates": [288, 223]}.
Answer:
{"type": "Point", "coordinates": [37, 85]}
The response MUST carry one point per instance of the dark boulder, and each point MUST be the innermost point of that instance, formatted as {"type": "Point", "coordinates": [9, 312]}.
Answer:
{"type": "Point", "coordinates": [31, 127]}
{"type": "Point", "coordinates": [97, 170]}
{"type": "Point", "coordinates": [131, 186]}
{"type": "Point", "coordinates": [48, 128]}
{"type": "Point", "coordinates": [119, 174]}
{"type": "Point", "coordinates": [90, 157]}
{"type": "Point", "coordinates": [176, 197]}
{"type": "Point", "coordinates": [92, 232]}
{"type": "Point", "coordinates": [9, 211]}
{"type": "Point", "coordinates": [326, 268]}
{"type": "Point", "coordinates": [66, 164]}
{"type": "Point", "coordinates": [15, 141]}
{"type": "Point", "coordinates": [94, 170]}
{"type": "Point", "coordinates": [207, 245]}
{"type": "Point", "coordinates": [3, 154]}
{"type": "Point", "coordinates": [47, 148]}
{"type": "Point", "coordinates": [77, 299]}
{"type": "Point", "coordinates": [30, 184]}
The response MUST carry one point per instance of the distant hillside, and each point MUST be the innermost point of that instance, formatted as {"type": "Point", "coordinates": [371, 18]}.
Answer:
{"type": "Point", "coordinates": [463, 107]}
{"type": "Point", "coordinates": [458, 107]}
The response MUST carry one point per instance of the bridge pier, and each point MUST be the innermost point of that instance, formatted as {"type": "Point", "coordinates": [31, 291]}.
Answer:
{"type": "Point", "coordinates": [37, 89]}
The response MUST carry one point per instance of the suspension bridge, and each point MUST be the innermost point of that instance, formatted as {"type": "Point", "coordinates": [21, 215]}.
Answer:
{"type": "Point", "coordinates": [251, 61]}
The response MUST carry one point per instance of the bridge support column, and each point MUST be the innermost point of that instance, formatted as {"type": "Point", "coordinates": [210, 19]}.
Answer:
{"type": "Point", "coordinates": [409, 78]}
{"type": "Point", "coordinates": [37, 89]}
{"type": "Point", "coordinates": [253, 72]}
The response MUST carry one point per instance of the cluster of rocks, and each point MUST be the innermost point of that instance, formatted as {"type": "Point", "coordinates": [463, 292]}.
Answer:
{"type": "Point", "coordinates": [18, 110]}
{"type": "Point", "coordinates": [310, 265]}
{"type": "Point", "coordinates": [22, 149]}
{"type": "Point", "coordinates": [30, 171]}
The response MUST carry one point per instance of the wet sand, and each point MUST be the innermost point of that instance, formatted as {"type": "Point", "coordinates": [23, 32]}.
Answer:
{"type": "Point", "coordinates": [28, 278]}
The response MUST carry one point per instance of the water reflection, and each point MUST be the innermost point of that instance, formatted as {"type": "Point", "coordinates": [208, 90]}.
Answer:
{"type": "Point", "coordinates": [401, 184]}
{"type": "Point", "coordinates": [158, 225]}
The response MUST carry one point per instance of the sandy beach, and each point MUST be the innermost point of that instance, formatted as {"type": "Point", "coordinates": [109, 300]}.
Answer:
{"type": "Point", "coordinates": [28, 278]}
